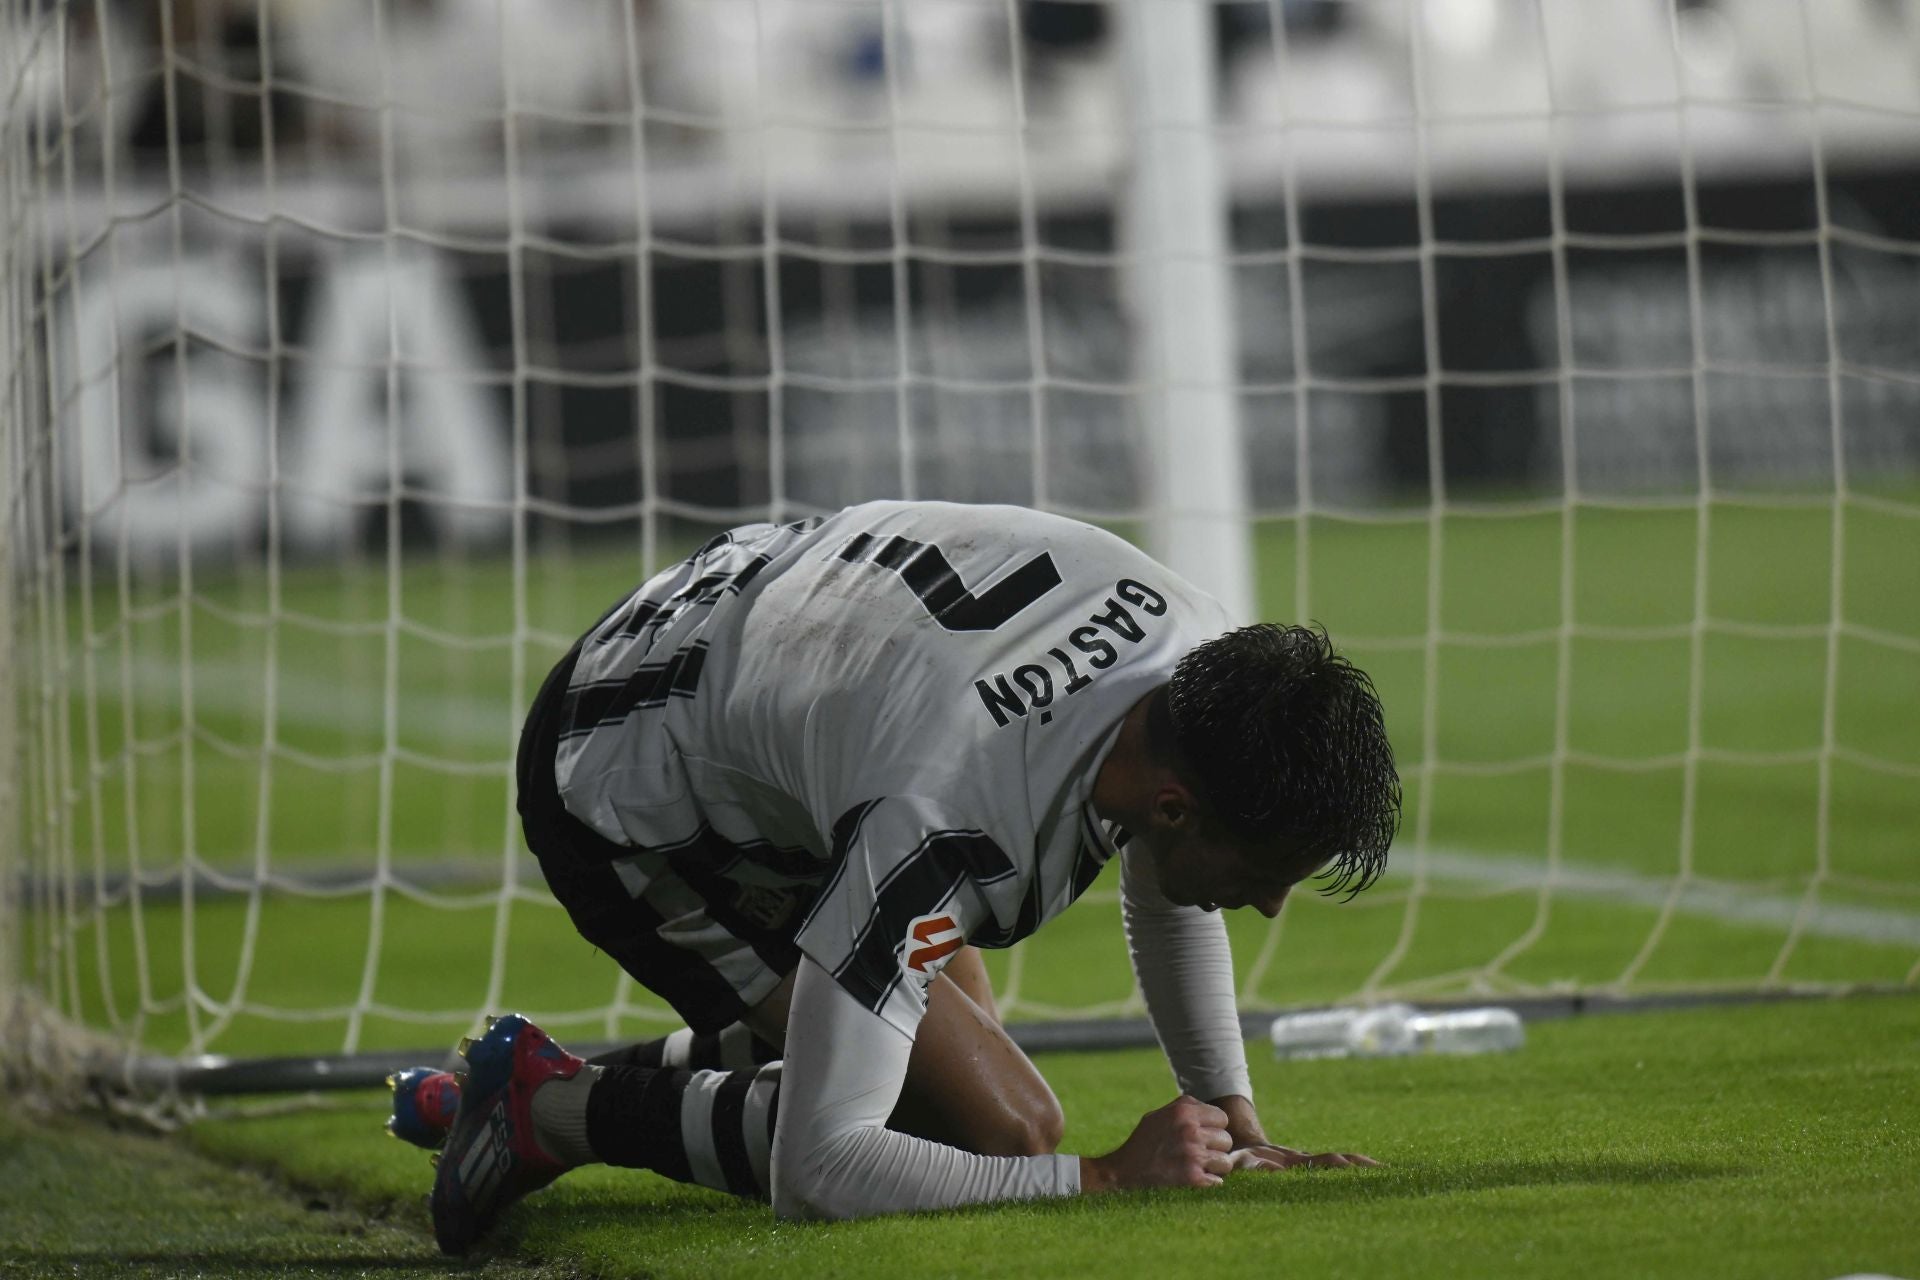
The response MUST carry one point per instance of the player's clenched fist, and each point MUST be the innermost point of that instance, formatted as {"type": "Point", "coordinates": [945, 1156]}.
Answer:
{"type": "Point", "coordinates": [1183, 1144]}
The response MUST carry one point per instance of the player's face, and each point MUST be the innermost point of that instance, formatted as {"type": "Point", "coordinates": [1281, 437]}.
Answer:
{"type": "Point", "coordinates": [1199, 868]}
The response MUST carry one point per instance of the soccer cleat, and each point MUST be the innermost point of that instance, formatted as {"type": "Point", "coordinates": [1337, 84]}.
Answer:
{"type": "Point", "coordinates": [425, 1100]}
{"type": "Point", "coordinates": [491, 1157]}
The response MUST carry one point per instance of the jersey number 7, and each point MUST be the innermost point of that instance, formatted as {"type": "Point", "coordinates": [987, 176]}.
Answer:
{"type": "Point", "coordinates": [924, 568]}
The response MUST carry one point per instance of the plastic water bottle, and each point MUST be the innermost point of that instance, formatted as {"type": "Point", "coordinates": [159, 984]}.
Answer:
{"type": "Point", "coordinates": [1390, 1030]}
{"type": "Point", "coordinates": [1371, 1032]}
{"type": "Point", "coordinates": [1383, 1031]}
{"type": "Point", "coordinates": [1323, 1033]}
{"type": "Point", "coordinates": [1490, 1030]}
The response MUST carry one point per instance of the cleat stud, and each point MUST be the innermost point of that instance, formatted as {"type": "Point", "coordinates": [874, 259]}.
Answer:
{"type": "Point", "coordinates": [393, 1080]}
{"type": "Point", "coordinates": [434, 1159]}
{"type": "Point", "coordinates": [490, 1021]}
{"type": "Point", "coordinates": [466, 1045]}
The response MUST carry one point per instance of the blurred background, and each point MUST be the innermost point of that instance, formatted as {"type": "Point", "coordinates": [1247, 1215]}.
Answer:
{"type": "Point", "coordinates": [741, 221]}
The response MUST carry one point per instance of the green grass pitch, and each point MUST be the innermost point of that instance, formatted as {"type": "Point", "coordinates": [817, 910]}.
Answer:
{"type": "Point", "coordinates": [1765, 1141]}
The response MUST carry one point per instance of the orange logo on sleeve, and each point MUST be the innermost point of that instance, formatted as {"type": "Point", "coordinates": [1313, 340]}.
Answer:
{"type": "Point", "coordinates": [931, 939]}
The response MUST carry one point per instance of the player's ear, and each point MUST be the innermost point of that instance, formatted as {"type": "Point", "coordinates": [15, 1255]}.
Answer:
{"type": "Point", "coordinates": [1174, 806]}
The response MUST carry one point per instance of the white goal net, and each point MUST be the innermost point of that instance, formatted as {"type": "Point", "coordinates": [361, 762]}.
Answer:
{"type": "Point", "coordinates": [1563, 359]}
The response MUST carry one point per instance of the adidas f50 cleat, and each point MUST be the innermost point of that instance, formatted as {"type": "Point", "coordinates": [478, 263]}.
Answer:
{"type": "Point", "coordinates": [424, 1102]}
{"type": "Point", "coordinates": [491, 1157]}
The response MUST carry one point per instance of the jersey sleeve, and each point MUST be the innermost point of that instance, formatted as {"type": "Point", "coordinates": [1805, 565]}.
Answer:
{"type": "Point", "coordinates": [1185, 967]}
{"type": "Point", "coordinates": [833, 1155]}
{"type": "Point", "coordinates": [909, 887]}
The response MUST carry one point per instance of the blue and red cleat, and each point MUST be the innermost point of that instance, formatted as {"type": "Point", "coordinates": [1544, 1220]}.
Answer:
{"type": "Point", "coordinates": [491, 1157]}
{"type": "Point", "coordinates": [425, 1100]}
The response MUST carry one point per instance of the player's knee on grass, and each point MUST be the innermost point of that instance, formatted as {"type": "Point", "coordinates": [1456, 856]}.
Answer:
{"type": "Point", "coordinates": [1015, 1114]}
{"type": "Point", "coordinates": [1043, 1126]}
{"type": "Point", "coordinates": [1032, 1123]}
{"type": "Point", "coordinates": [968, 1084]}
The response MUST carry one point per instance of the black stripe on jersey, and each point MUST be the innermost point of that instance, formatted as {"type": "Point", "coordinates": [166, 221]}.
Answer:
{"type": "Point", "coordinates": [612, 611]}
{"type": "Point", "coordinates": [721, 856]}
{"type": "Point", "coordinates": [937, 583]}
{"type": "Point", "coordinates": [720, 897]}
{"type": "Point", "coordinates": [993, 936]}
{"type": "Point", "coordinates": [577, 862]}
{"type": "Point", "coordinates": [706, 859]}
{"type": "Point", "coordinates": [705, 589]}
{"type": "Point", "coordinates": [1025, 923]}
{"type": "Point", "coordinates": [923, 881]}
{"type": "Point", "coordinates": [1093, 855]}
{"type": "Point", "coordinates": [635, 614]}
{"type": "Point", "coordinates": [645, 608]}
{"type": "Point", "coordinates": [709, 587]}
{"type": "Point", "coordinates": [729, 1132]}
{"type": "Point", "coordinates": [787, 863]}
{"type": "Point", "coordinates": [846, 829]}
{"type": "Point", "coordinates": [599, 702]}
{"type": "Point", "coordinates": [748, 572]}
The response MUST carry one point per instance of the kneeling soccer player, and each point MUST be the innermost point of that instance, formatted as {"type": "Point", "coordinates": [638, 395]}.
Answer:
{"type": "Point", "coordinates": [790, 784]}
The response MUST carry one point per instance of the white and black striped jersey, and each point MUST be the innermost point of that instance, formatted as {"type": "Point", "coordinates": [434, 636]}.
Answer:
{"type": "Point", "coordinates": [869, 737]}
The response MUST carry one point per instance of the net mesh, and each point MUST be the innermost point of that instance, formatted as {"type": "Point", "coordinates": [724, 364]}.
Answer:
{"type": "Point", "coordinates": [358, 354]}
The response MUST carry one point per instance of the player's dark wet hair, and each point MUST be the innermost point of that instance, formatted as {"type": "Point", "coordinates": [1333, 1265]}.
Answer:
{"type": "Point", "coordinates": [1283, 742]}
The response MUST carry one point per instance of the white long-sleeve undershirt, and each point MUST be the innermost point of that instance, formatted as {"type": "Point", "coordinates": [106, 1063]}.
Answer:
{"type": "Point", "coordinates": [1185, 968]}
{"type": "Point", "coordinates": [834, 1157]}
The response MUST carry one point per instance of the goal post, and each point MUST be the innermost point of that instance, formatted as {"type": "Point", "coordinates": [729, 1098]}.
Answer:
{"type": "Point", "coordinates": [1174, 222]}
{"type": "Point", "coordinates": [16, 351]}
{"type": "Point", "coordinates": [356, 354]}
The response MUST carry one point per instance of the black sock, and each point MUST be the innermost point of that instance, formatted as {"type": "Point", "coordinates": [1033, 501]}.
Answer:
{"type": "Point", "coordinates": [639, 1117]}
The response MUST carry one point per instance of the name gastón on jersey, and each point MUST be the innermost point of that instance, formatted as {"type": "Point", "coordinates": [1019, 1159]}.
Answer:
{"type": "Point", "coordinates": [1075, 661]}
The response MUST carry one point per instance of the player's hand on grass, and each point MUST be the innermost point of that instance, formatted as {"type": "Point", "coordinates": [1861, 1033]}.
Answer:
{"type": "Point", "coordinates": [1183, 1144]}
{"type": "Point", "coordinates": [1251, 1150]}
{"type": "Point", "coordinates": [1271, 1157]}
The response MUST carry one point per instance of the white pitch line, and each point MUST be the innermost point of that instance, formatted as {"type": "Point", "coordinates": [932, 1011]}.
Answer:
{"type": "Point", "coordinates": [225, 687]}
{"type": "Point", "coordinates": [1714, 900]}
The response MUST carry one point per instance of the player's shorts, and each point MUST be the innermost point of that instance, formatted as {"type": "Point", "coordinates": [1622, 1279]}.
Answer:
{"type": "Point", "coordinates": [710, 947]}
